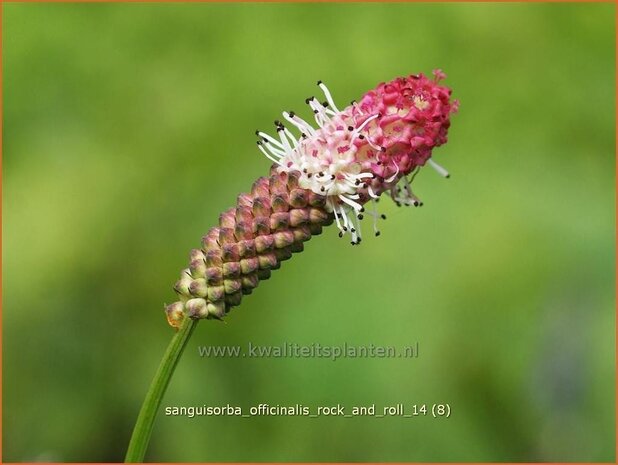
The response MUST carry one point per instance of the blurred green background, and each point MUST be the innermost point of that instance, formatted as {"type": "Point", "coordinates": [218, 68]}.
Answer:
{"type": "Point", "coordinates": [129, 127]}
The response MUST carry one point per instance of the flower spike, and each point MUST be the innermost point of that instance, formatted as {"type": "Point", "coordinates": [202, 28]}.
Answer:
{"type": "Point", "coordinates": [327, 173]}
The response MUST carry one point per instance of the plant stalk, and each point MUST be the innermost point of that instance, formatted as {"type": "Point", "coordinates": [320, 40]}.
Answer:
{"type": "Point", "coordinates": [154, 396]}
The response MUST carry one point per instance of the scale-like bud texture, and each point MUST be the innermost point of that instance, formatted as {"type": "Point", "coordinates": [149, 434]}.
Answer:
{"type": "Point", "coordinates": [266, 227]}
{"type": "Point", "coordinates": [329, 173]}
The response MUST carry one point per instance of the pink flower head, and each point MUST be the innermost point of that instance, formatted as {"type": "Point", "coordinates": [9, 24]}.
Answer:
{"type": "Point", "coordinates": [415, 117]}
{"type": "Point", "coordinates": [369, 147]}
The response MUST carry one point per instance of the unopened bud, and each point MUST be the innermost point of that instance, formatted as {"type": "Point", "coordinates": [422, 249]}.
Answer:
{"type": "Point", "coordinates": [197, 308]}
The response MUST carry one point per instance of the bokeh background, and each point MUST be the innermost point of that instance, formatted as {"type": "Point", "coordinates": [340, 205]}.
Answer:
{"type": "Point", "coordinates": [129, 127]}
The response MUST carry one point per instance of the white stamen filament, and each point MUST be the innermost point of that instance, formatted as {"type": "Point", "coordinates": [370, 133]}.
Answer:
{"type": "Point", "coordinates": [272, 149]}
{"type": "Point", "coordinates": [270, 139]}
{"type": "Point", "coordinates": [329, 98]}
{"type": "Point", "coordinates": [332, 206]}
{"type": "Point", "coordinates": [358, 230]}
{"type": "Point", "coordinates": [284, 141]}
{"type": "Point", "coordinates": [374, 213]}
{"type": "Point", "coordinates": [350, 202]}
{"type": "Point", "coordinates": [441, 171]}
{"type": "Point", "coordinates": [321, 118]}
{"type": "Point", "coordinates": [291, 137]}
{"type": "Point", "coordinates": [269, 156]}
{"type": "Point", "coordinates": [344, 217]}
{"type": "Point", "coordinates": [300, 124]}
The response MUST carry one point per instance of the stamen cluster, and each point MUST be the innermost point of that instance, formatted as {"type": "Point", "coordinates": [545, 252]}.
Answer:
{"type": "Point", "coordinates": [368, 148]}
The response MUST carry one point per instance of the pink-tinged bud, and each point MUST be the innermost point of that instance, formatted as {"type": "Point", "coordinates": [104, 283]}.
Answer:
{"type": "Point", "coordinates": [261, 207]}
{"type": "Point", "coordinates": [264, 243]}
{"type": "Point", "coordinates": [197, 267]}
{"type": "Point", "coordinates": [328, 173]}
{"type": "Point", "coordinates": [279, 220]}
{"type": "Point", "coordinates": [299, 216]}
{"type": "Point", "coordinates": [182, 285]}
{"type": "Point", "coordinates": [214, 275]}
{"type": "Point", "coordinates": [301, 234]}
{"type": "Point", "coordinates": [232, 285]}
{"type": "Point", "coordinates": [244, 231]}
{"type": "Point", "coordinates": [268, 261]}
{"type": "Point", "coordinates": [213, 257]}
{"type": "Point", "coordinates": [226, 234]}
{"type": "Point", "coordinates": [283, 239]}
{"type": "Point", "coordinates": [261, 188]}
{"type": "Point", "coordinates": [231, 269]}
{"type": "Point", "coordinates": [197, 308]}
{"type": "Point", "coordinates": [196, 254]}
{"type": "Point", "coordinates": [230, 252]}
{"type": "Point", "coordinates": [298, 198]}
{"type": "Point", "coordinates": [227, 220]}
{"type": "Point", "coordinates": [216, 293]}
{"type": "Point", "coordinates": [246, 248]}
{"type": "Point", "coordinates": [244, 200]}
{"type": "Point", "coordinates": [249, 283]}
{"type": "Point", "coordinates": [244, 215]}
{"type": "Point", "coordinates": [249, 265]}
{"type": "Point", "coordinates": [216, 309]}
{"type": "Point", "coordinates": [210, 241]}
{"type": "Point", "coordinates": [198, 288]}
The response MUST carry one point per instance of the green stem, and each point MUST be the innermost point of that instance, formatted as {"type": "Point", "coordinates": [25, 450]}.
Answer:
{"type": "Point", "coordinates": [147, 414]}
